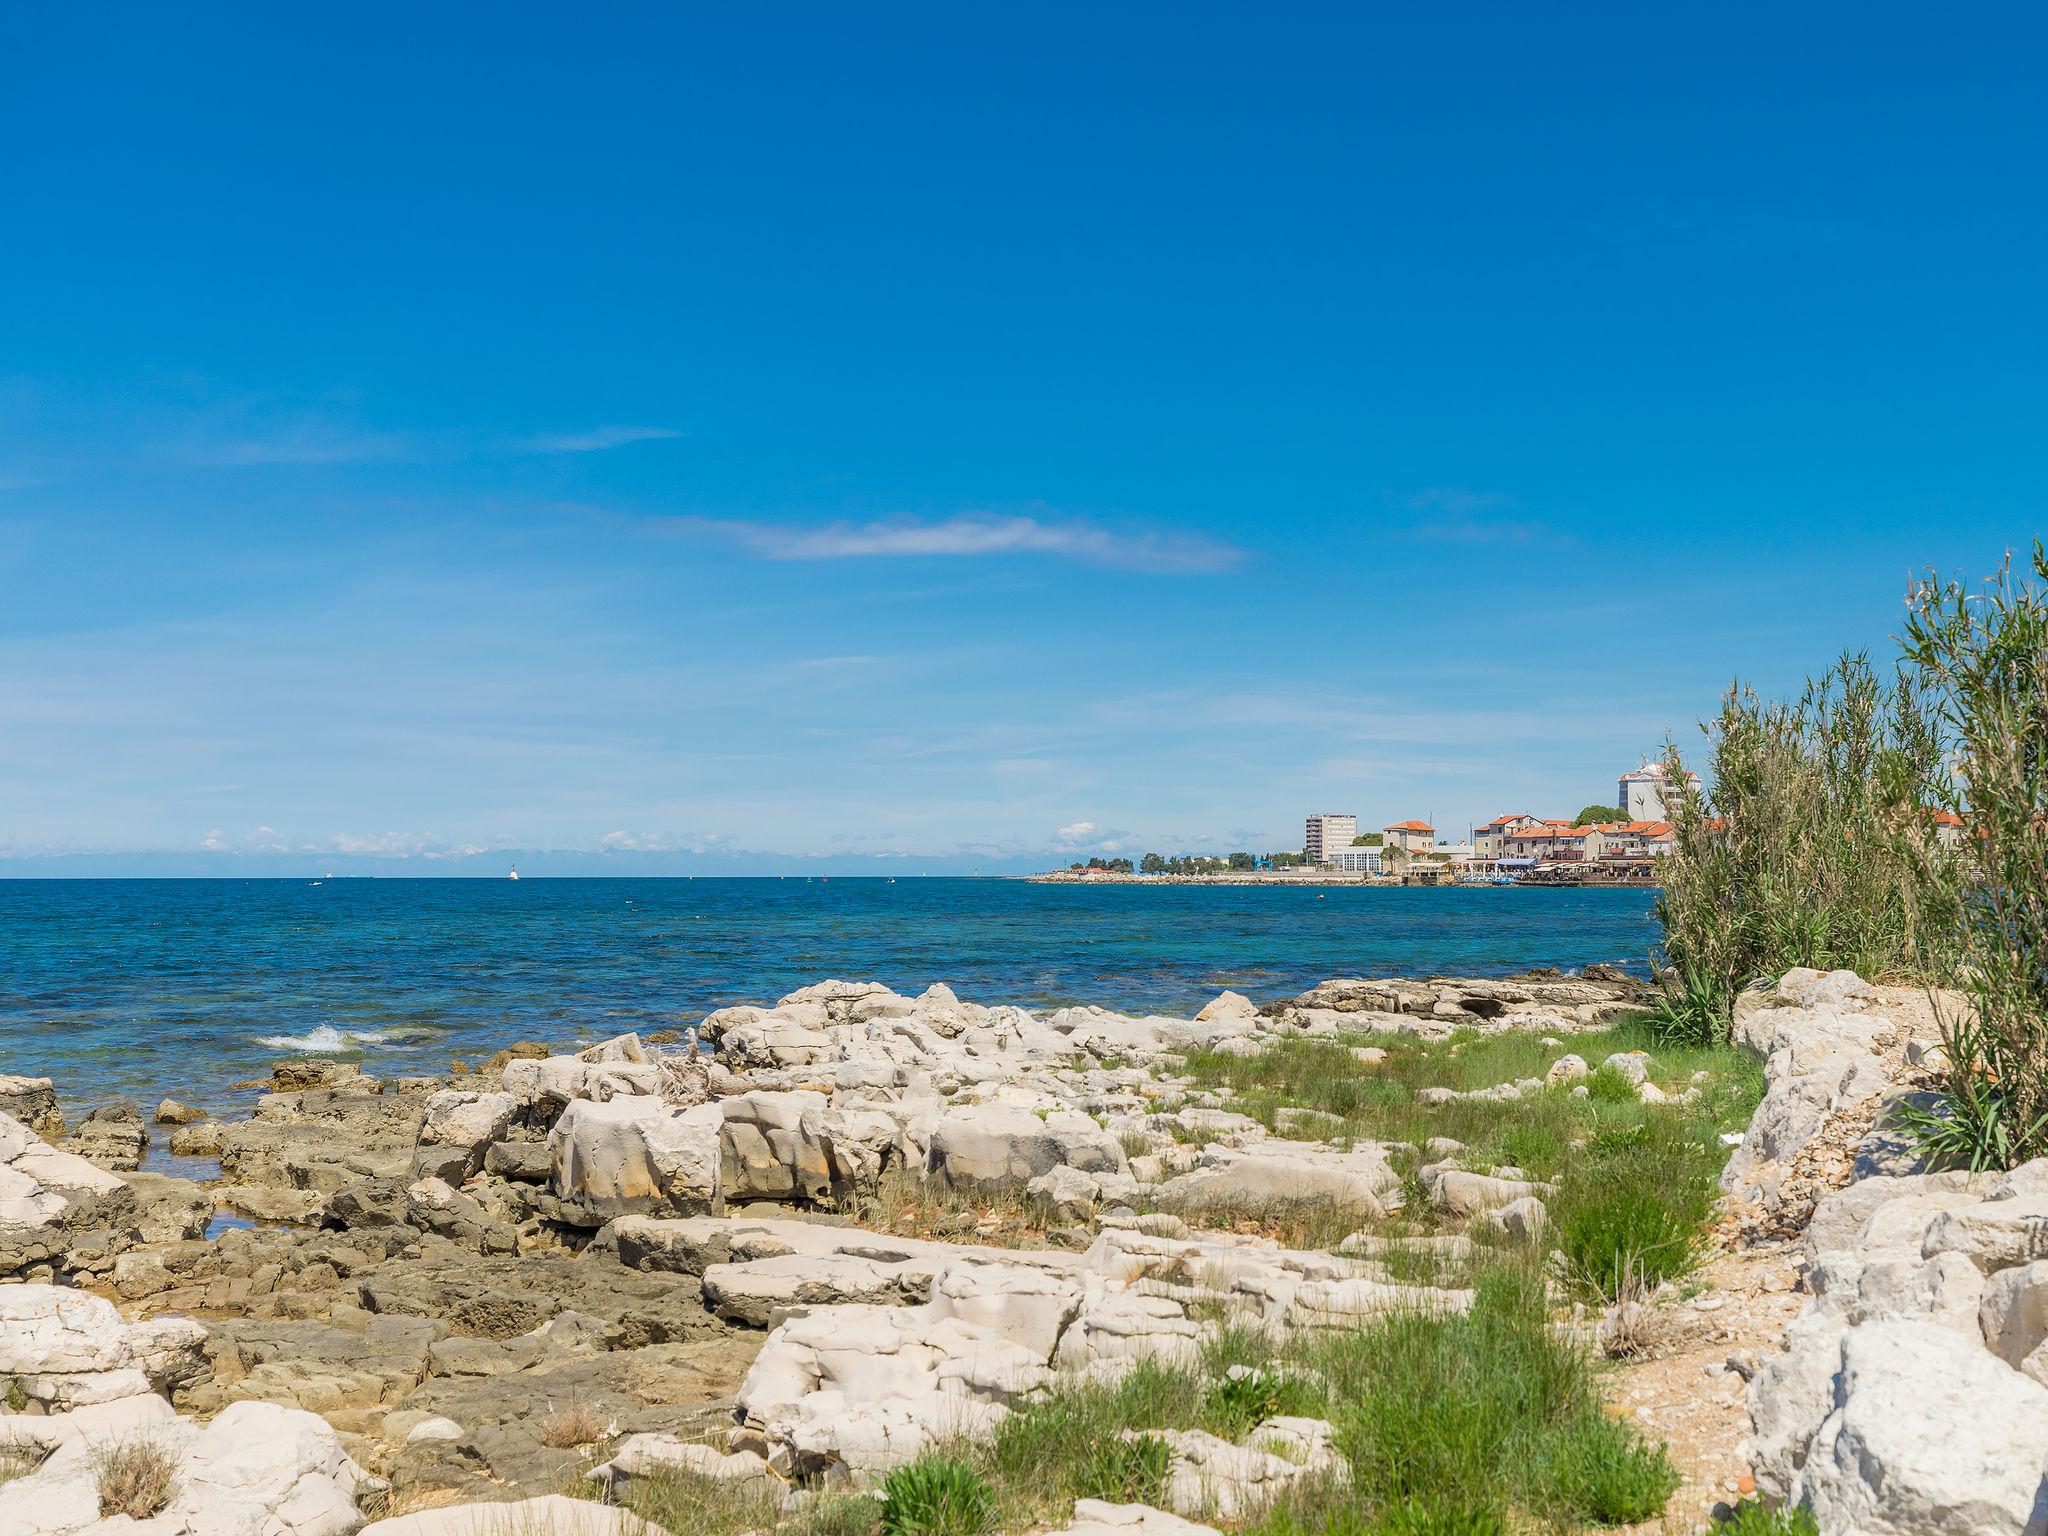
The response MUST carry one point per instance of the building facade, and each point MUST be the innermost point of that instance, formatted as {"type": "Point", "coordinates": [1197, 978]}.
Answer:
{"type": "Point", "coordinates": [1359, 861]}
{"type": "Point", "coordinates": [1629, 840]}
{"type": "Point", "coordinates": [1326, 833]}
{"type": "Point", "coordinates": [1648, 793]}
{"type": "Point", "coordinates": [1410, 836]}
{"type": "Point", "coordinates": [1489, 841]}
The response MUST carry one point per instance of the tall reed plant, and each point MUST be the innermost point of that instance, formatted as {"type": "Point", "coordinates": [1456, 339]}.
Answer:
{"type": "Point", "coordinates": [1812, 847]}
{"type": "Point", "coordinates": [1982, 660]}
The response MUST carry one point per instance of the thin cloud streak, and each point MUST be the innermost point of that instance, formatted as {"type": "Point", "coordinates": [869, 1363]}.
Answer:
{"type": "Point", "coordinates": [967, 535]}
{"type": "Point", "coordinates": [598, 439]}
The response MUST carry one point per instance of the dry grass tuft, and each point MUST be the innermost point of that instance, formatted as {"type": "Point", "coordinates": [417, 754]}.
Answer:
{"type": "Point", "coordinates": [136, 1478]}
{"type": "Point", "coordinates": [573, 1425]}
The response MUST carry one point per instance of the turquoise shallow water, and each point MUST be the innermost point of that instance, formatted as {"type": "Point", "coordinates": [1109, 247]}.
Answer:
{"type": "Point", "coordinates": [139, 988]}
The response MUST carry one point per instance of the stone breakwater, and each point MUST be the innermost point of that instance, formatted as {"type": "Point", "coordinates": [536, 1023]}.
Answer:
{"type": "Point", "coordinates": [1911, 1394]}
{"type": "Point", "coordinates": [447, 1290]}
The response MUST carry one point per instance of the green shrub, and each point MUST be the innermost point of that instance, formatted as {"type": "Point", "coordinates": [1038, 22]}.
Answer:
{"type": "Point", "coordinates": [1633, 1211]}
{"type": "Point", "coordinates": [1608, 1140]}
{"type": "Point", "coordinates": [1982, 658]}
{"type": "Point", "coordinates": [1610, 1085]}
{"type": "Point", "coordinates": [1049, 1445]}
{"type": "Point", "coordinates": [936, 1496]}
{"type": "Point", "coordinates": [1236, 1405]}
{"type": "Point", "coordinates": [1435, 1407]}
{"type": "Point", "coordinates": [1603, 1471]}
{"type": "Point", "coordinates": [1751, 1518]}
{"type": "Point", "coordinates": [1127, 1471]}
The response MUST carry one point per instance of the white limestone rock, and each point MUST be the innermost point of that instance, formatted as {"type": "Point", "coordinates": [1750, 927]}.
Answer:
{"type": "Point", "coordinates": [635, 1155]}
{"type": "Point", "coordinates": [1273, 1174]}
{"type": "Point", "coordinates": [2014, 1318]}
{"type": "Point", "coordinates": [1927, 1433]}
{"type": "Point", "coordinates": [456, 1129]}
{"type": "Point", "coordinates": [257, 1469]}
{"type": "Point", "coordinates": [1096, 1517]}
{"type": "Point", "coordinates": [652, 1455]}
{"type": "Point", "coordinates": [985, 1148]}
{"type": "Point", "coordinates": [552, 1514]}
{"type": "Point", "coordinates": [1227, 1006]}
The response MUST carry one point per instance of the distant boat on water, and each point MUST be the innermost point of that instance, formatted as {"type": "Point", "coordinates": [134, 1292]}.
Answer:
{"type": "Point", "coordinates": [515, 873]}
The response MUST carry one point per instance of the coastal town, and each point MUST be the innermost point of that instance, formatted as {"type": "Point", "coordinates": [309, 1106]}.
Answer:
{"type": "Point", "coordinates": [1617, 844]}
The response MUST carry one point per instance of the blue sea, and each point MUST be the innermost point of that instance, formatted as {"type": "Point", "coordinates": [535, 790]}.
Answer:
{"type": "Point", "coordinates": [140, 988]}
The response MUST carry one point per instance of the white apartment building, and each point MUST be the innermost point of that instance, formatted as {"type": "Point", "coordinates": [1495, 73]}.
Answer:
{"type": "Point", "coordinates": [1326, 834]}
{"type": "Point", "coordinates": [1648, 795]}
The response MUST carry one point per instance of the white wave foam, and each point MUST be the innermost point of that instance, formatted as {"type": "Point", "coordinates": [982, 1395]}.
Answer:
{"type": "Point", "coordinates": [324, 1040]}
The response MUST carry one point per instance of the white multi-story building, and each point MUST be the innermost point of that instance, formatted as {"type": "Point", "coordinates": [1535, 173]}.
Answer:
{"type": "Point", "coordinates": [1357, 861]}
{"type": "Point", "coordinates": [1326, 833]}
{"type": "Point", "coordinates": [1647, 794]}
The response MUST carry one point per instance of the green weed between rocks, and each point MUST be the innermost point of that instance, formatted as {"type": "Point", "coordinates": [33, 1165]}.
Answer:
{"type": "Point", "coordinates": [1637, 1183]}
{"type": "Point", "coordinates": [936, 1495]}
{"type": "Point", "coordinates": [1751, 1518]}
{"type": "Point", "coordinates": [1461, 1424]}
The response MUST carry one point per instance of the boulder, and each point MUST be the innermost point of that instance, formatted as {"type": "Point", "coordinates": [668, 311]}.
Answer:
{"type": "Point", "coordinates": [1096, 1517]}
{"type": "Point", "coordinates": [995, 1147]}
{"type": "Point", "coordinates": [2014, 1318]}
{"type": "Point", "coordinates": [772, 1147]}
{"type": "Point", "coordinates": [654, 1455]}
{"type": "Point", "coordinates": [112, 1136]}
{"type": "Point", "coordinates": [635, 1154]}
{"type": "Point", "coordinates": [1227, 1006]}
{"type": "Point", "coordinates": [32, 1101]}
{"type": "Point", "coordinates": [1459, 1193]}
{"type": "Point", "coordinates": [1567, 1070]}
{"type": "Point", "coordinates": [1269, 1175]}
{"type": "Point", "coordinates": [171, 1112]}
{"type": "Point", "coordinates": [59, 1213]}
{"type": "Point", "coordinates": [1927, 1433]}
{"type": "Point", "coordinates": [70, 1349]}
{"type": "Point", "coordinates": [457, 1129]}
{"type": "Point", "coordinates": [1209, 1475]}
{"type": "Point", "coordinates": [1523, 1219]}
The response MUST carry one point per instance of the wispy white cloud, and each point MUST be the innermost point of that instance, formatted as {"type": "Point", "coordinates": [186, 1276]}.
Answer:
{"type": "Point", "coordinates": [1087, 834]}
{"type": "Point", "coordinates": [1456, 515]}
{"type": "Point", "coordinates": [598, 439]}
{"type": "Point", "coordinates": [304, 443]}
{"type": "Point", "coordinates": [968, 534]}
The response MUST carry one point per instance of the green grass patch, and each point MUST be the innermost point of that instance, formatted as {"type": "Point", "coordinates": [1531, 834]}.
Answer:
{"type": "Point", "coordinates": [1631, 1212]}
{"type": "Point", "coordinates": [936, 1495]}
{"type": "Point", "coordinates": [1127, 1471]}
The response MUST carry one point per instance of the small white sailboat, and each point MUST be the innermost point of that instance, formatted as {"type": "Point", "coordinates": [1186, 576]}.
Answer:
{"type": "Point", "coordinates": [515, 873]}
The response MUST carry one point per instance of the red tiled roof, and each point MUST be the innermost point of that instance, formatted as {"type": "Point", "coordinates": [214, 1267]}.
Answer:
{"type": "Point", "coordinates": [1407, 826]}
{"type": "Point", "coordinates": [1947, 819]}
{"type": "Point", "coordinates": [1501, 821]}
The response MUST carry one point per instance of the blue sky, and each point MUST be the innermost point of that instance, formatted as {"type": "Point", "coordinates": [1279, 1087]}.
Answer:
{"type": "Point", "coordinates": [716, 438]}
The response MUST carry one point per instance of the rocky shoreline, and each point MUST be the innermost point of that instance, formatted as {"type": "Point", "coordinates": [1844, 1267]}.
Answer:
{"type": "Point", "coordinates": [416, 1297]}
{"type": "Point", "coordinates": [424, 1264]}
